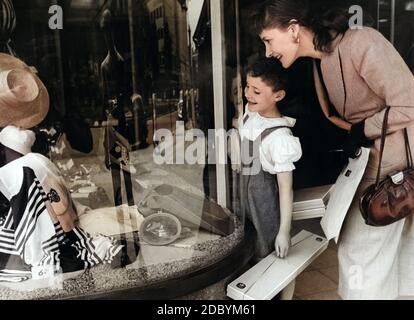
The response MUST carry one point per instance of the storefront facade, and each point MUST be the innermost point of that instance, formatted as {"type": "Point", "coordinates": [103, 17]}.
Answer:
{"type": "Point", "coordinates": [138, 91]}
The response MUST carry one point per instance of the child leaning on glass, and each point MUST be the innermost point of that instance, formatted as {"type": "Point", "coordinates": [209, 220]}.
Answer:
{"type": "Point", "coordinates": [268, 151]}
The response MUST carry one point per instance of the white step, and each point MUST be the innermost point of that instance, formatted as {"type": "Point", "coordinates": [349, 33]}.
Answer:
{"type": "Point", "coordinates": [271, 275]}
{"type": "Point", "coordinates": [308, 214]}
{"type": "Point", "coordinates": [311, 198]}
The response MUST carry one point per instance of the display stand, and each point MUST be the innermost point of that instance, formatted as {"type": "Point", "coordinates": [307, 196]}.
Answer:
{"type": "Point", "coordinates": [271, 275]}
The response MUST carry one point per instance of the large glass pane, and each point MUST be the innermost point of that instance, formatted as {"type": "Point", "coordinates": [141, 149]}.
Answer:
{"type": "Point", "coordinates": [131, 109]}
{"type": "Point", "coordinates": [404, 30]}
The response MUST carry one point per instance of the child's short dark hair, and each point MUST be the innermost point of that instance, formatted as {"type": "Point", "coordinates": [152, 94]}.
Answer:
{"type": "Point", "coordinates": [271, 71]}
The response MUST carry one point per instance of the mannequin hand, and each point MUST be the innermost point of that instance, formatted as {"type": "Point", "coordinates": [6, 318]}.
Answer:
{"type": "Point", "coordinates": [282, 244]}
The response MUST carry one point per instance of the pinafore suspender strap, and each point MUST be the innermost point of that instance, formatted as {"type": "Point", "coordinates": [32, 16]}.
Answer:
{"type": "Point", "coordinates": [265, 132]}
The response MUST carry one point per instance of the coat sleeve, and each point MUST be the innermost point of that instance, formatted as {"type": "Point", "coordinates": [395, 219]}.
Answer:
{"type": "Point", "coordinates": [386, 73]}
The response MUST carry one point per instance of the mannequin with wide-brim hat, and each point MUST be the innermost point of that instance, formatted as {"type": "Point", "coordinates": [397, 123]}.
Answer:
{"type": "Point", "coordinates": [24, 102]}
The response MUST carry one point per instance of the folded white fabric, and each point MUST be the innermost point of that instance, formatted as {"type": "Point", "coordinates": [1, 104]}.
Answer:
{"type": "Point", "coordinates": [17, 139]}
{"type": "Point", "coordinates": [111, 221]}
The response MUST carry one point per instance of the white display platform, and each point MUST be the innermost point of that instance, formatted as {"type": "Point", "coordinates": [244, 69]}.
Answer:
{"type": "Point", "coordinates": [311, 203]}
{"type": "Point", "coordinates": [308, 214]}
{"type": "Point", "coordinates": [271, 275]}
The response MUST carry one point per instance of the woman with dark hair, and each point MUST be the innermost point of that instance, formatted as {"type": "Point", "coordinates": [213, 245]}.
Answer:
{"type": "Point", "coordinates": [363, 74]}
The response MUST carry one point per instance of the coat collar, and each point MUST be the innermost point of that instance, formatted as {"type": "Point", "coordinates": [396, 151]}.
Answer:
{"type": "Point", "coordinates": [333, 76]}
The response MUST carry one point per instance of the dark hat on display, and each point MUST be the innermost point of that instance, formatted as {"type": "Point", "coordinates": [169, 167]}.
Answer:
{"type": "Point", "coordinates": [24, 100]}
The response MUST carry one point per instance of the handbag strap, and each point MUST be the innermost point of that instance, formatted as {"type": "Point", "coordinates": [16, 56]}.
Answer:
{"type": "Point", "coordinates": [383, 137]}
{"type": "Point", "coordinates": [409, 155]}
{"type": "Point", "coordinates": [384, 129]}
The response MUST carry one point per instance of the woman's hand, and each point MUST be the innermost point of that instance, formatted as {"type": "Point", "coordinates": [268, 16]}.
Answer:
{"type": "Point", "coordinates": [355, 140]}
{"type": "Point", "coordinates": [282, 244]}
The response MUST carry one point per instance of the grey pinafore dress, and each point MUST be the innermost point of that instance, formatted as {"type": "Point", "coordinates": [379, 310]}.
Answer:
{"type": "Point", "coordinates": [259, 196]}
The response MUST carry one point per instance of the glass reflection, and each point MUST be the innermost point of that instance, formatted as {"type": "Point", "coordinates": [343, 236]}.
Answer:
{"type": "Point", "coordinates": [117, 73]}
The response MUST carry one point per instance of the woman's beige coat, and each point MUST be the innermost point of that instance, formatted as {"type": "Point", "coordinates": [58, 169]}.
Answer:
{"type": "Point", "coordinates": [374, 263]}
{"type": "Point", "coordinates": [374, 76]}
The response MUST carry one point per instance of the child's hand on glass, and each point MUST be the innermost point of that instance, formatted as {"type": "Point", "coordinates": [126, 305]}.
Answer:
{"type": "Point", "coordinates": [282, 244]}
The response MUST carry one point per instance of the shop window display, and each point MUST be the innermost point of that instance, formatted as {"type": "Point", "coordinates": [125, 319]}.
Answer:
{"type": "Point", "coordinates": [116, 73]}
{"type": "Point", "coordinates": [119, 72]}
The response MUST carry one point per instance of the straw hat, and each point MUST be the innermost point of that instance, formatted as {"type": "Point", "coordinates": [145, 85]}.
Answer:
{"type": "Point", "coordinates": [24, 100]}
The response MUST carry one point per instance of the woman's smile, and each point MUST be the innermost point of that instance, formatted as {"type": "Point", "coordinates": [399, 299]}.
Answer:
{"type": "Point", "coordinates": [277, 40]}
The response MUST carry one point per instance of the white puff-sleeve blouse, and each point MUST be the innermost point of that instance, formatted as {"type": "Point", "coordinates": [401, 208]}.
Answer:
{"type": "Point", "coordinates": [280, 149]}
{"type": "Point", "coordinates": [279, 152]}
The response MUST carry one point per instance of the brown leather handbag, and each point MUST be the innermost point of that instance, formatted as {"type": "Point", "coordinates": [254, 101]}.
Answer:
{"type": "Point", "coordinates": [391, 199]}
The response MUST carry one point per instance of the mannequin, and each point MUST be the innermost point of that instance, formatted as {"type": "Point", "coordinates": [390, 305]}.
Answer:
{"type": "Point", "coordinates": [116, 145]}
{"type": "Point", "coordinates": [27, 178]}
{"type": "Point", "coordinates": [141, 120]}
{"type": "Point", "coordinates": [113, 75]}
{"type": "Point", "coordinates": [113, 78]}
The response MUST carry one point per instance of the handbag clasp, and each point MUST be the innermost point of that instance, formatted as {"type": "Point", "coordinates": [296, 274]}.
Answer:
{"type": "Point", "coordinates": [398, 178]}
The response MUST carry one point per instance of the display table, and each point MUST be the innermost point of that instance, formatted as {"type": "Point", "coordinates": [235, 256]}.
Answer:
{"type": "Point", "coordinates": [155, 267]}
{"type": "Point", "coordinates": [189, 264]}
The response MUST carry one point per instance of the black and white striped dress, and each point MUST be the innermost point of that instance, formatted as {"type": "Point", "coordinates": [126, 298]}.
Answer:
{"type": "Point", "coordinates": [30, 240]}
